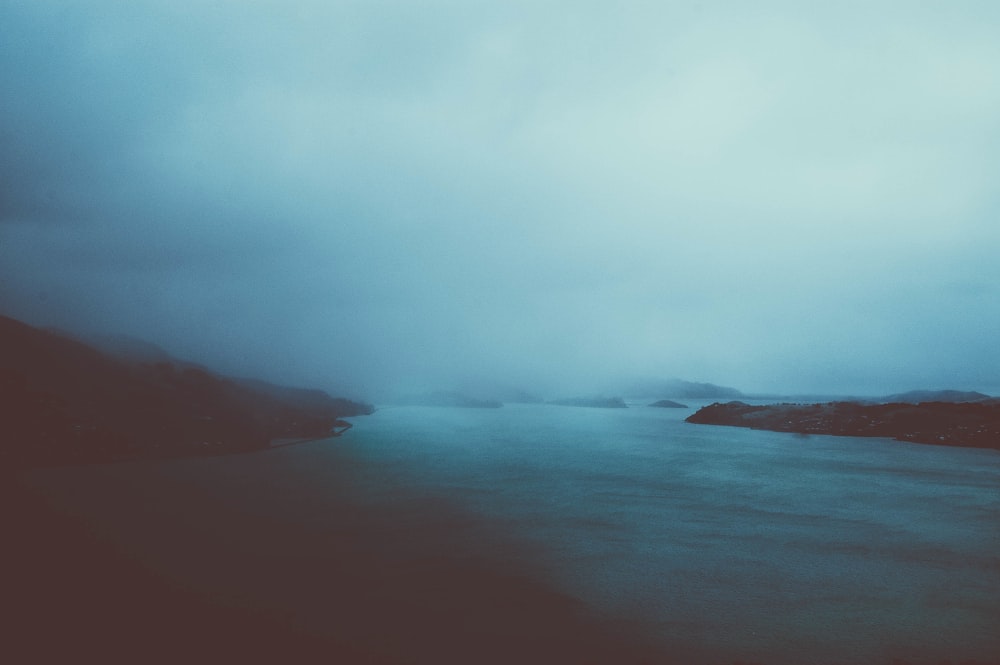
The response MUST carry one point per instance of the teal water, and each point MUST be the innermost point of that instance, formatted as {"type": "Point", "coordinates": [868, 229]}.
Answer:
{"type": "Point", "coordinates": [724, 544]}
{"type": "Point", "coordinates": [734, 543]}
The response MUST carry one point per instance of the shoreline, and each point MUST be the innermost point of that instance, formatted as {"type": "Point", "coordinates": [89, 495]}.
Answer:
{"type": "Point", "coordinates": [282, 442]}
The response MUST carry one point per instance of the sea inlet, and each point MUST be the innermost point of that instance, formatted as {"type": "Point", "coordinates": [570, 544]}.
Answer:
{"type": "Point", "coordinates": [529, 533]}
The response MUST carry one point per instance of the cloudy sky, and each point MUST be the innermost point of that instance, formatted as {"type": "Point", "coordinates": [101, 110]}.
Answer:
{"type": "Point", "coordinates": [780, 196]}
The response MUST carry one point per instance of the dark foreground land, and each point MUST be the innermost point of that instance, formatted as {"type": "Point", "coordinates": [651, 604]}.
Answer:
{"type": "Point", "coordinates": [66, 402]}
{"type": "Point", "coordinates": [974, 425]}
{"type": "Point", "coordinates": [365, 588]}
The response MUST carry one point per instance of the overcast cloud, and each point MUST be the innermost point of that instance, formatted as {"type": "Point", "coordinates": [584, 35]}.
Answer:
{"type": "Point", "coordinates": [779, 196]}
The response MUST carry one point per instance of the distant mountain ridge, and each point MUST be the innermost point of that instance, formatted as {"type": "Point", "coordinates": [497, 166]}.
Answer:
{"type": "Point", "coordinates": [484, 393]}
{"type": "Point", "coordinates": [918, 396]}
{"type": "Point", "coordinates": [124, 347]}
{"type": "Point", "coordinates": [67, 402]}
{"type": "Point", "coordinates": [664, 388]}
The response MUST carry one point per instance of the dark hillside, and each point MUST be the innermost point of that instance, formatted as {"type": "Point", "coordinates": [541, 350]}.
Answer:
{"type": "Point", "coordinates": [65, 402]}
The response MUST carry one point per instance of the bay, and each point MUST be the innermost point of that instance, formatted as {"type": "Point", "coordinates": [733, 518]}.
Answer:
{"type": "Point", "coordinates": [723, 544]}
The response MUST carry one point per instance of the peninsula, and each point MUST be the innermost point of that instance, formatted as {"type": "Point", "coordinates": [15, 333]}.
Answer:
{"type": "Point", "coordinates": [972, 424]}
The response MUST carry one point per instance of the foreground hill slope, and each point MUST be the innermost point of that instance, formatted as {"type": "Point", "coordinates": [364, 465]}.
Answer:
{"type": "Point", "coordinates": [973, 424]}
{"type": "Point", "coordinates": [66, 402]}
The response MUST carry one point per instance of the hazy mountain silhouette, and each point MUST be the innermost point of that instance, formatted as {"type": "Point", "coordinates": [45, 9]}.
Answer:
{"type": "Point", "coordinates": [918, 396]}
{"type": "Point", "coordinates": [664, 388]}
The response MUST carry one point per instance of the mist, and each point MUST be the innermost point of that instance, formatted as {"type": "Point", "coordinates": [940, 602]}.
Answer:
{"type": "Point", "coordinates": [378, 196]}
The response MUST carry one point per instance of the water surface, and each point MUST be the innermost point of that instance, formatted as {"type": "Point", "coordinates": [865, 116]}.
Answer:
{"type": "Point", "coordinates": [746, 544]}
{"type": "Point", "coordinates": [720, 543]}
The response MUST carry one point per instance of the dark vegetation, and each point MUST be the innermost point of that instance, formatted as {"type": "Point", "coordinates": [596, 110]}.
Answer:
{"type": "Point", "coordinates": [973, 424]}
{"type": "Point", "coordinates": [669, 404]}
{"type": "Point", "coordinates": [65, 402]}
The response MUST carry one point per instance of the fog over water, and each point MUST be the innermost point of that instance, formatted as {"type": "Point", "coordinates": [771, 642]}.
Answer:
{"type": "Point", "coordinates": [778, 196]}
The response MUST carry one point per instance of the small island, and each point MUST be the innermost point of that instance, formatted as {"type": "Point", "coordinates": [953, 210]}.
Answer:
{"type": "Point", "coordinates": [669, 404]}
{"type": "Point", "coordinates": [972, 424]}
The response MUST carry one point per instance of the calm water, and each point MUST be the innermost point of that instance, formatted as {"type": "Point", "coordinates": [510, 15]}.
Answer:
{"type": "Point", "coordinates": [727, 542]}
{"type": "Point", "coordinates": [756, 544]}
